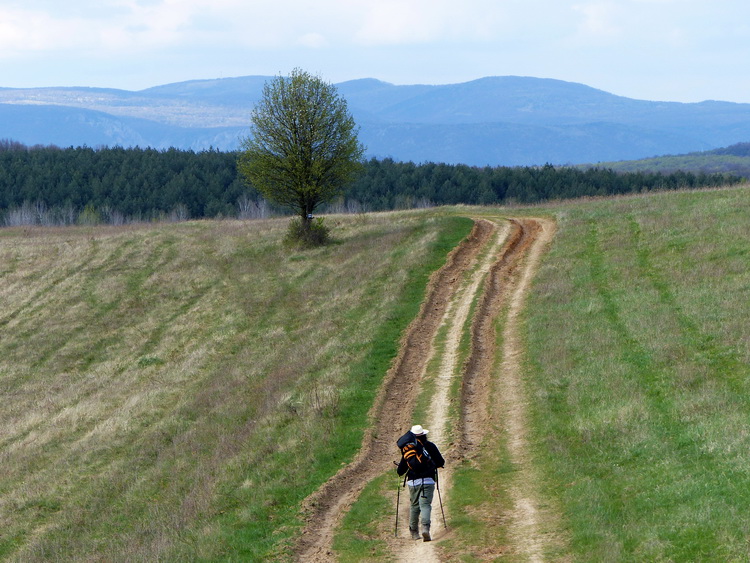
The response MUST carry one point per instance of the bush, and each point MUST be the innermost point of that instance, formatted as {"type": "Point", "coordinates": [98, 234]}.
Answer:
{"type": "Point", "coordinates": [317, 234]}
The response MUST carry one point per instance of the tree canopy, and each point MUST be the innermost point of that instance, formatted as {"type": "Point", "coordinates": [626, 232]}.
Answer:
{"type": "Point", "coordinates": [303, 148]}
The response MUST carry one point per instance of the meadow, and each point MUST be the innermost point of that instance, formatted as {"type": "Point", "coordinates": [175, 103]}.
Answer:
{"type": "Point", "coordinates": [174, 391]}
{"type": "Point", "coordinates": [639, 376]}
{"type": "Point", "coordinates": [637, 381]}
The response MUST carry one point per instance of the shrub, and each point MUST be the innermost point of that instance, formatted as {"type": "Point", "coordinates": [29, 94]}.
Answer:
{"type": "Point", "coordinates": [316, 233]}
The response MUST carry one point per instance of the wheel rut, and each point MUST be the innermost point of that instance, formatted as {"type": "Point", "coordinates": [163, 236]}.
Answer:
{"type": "Point", "coordinates": [324, 509]}
{"type": "Point", "coordinates": [505, 260]}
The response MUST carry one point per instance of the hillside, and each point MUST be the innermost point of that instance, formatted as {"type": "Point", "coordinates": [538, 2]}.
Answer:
{"type": "Point", "coordinates": [173, 392]}
{"type": "Point", "coordinates": [185, 391]}
{"type": "Point", "coordinates": [734, 160]}
{"type": "Point", "coordinates": [491, 121]}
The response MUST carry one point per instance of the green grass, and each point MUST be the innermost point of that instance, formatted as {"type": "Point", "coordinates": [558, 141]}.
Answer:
{"type": "Point", "coordinates": [172, 392]}
{"type": "Point", "coordinates": [362, 532]}
{"type": "Point", "coordinates": [638, 354]}
{"type": "Point", "coordinates": [479, 501]}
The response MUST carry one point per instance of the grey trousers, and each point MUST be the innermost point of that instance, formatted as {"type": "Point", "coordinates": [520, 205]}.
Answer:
{"type": "Point", "coordinates": [421, 504]}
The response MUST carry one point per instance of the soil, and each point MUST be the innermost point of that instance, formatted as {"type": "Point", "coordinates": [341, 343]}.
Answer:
{"type": "Point", "coordinates": [505, 257]}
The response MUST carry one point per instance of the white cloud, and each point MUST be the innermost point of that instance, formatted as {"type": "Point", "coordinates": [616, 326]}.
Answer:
{"type": "Point", "coordinates": [138, 25]}
{"type": "Point", "coordinates": [392, 22]}
{"type": "Point", "coordinates": [404, 22]}
{"type": "Point", "coordinates": [634, 42]}
{"type": "Point", "coordinates": [313, 41]}
{"type": "Point", "coordinates": [602, 21]}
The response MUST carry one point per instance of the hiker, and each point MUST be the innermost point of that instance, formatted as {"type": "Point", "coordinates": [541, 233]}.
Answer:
{"type": "Point", "coordinates": [420, 460]}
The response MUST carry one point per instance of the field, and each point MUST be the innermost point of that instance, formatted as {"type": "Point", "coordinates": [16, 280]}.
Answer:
{"type": "Point", "coordinates": [639, 365]}
{"type": "Point", "coordinates": [174, 391]}
{"type": "Point", "coordinates": [177, 391]}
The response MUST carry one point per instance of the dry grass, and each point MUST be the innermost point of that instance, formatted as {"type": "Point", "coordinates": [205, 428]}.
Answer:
{"type": "Point", "coordinates": [151, 373]}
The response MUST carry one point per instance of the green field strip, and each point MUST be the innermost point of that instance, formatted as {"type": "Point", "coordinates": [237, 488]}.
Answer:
{"type": "Point", "coordinates": [721, 361]}
{"type": "Point", "coordinates": [638, 437]}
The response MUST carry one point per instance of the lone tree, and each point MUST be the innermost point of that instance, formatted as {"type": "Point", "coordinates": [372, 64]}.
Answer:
{"type": "Point", "coordinates": [303, 148]}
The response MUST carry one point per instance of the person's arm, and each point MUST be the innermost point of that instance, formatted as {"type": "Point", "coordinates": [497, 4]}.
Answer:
{"type": "Point", "coordinates": [402, 467]}
{"type": "Point", "coordinates": [436, 456]}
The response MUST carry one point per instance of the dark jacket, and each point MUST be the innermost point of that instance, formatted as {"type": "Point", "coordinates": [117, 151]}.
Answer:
{"type": "Point", "coordinates": [435, 455]}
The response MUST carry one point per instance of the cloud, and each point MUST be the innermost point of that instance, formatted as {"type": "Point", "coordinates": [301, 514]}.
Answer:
{"type": "Point", "coordinates": [121, 26]}
{"type": "Point", "coordinates": [602, 21]}
{"type": "Point", "coordinates": [313, 41]}
{"type": "Point", "coordinates": [393, 22]}
{"type": "Point", "coordinates": [127, 25]}
{"type": "Point", "coordinates": [24, 30]}
{"type": "Point", "coordinates": [141, 24]}
{"type": "Point", "coordinates": [434, 41]}
{"type": "Point", "coordinates": [405, 22]}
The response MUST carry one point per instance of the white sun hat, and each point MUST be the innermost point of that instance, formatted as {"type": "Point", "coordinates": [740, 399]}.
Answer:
{"type": "Point", "coordinates": [417, 430]}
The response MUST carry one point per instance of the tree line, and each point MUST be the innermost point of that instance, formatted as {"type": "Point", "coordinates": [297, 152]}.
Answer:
{"type": "Point", "coordinates": [138, 183]}
{"type": "Point", "coordinates": [387, 184]}
{"type": "Point", "coordinates": [117, 184]}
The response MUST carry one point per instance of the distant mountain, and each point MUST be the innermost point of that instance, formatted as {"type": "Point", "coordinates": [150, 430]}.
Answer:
{"type": "Point", "coordinates": [491, 121]}
{"type": "Point", "coordinates": [70, 126]}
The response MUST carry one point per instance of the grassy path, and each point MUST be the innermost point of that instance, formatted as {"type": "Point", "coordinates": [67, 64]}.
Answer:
{"type": "Point", "coordinates": [446, 365]}
{"type": "Point", "coordinates": [392, 411]}
{"type": "Point", "coordinates": [474, 381]}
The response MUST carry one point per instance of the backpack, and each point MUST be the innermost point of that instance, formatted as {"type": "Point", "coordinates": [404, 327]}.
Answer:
{"type": "Point", "coordinates": [417, 459]}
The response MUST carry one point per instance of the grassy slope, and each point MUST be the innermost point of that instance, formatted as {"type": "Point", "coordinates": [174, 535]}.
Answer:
{"type": "Point", "coordinates": [173, 391]}
{"type": "Point", "coordinates": [638, 376]}
{"type": "Point", "coordinates": [639, 349]}
{"type": "Point", "coordinates": [141, 411]}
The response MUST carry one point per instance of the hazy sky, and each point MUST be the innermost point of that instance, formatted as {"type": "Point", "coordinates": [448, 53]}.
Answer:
{"type": "Point", "coordinates": [676, 50]}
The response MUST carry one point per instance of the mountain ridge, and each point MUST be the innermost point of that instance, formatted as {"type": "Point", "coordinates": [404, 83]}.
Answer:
{"type": "Point", "coordinates": [500, 120]}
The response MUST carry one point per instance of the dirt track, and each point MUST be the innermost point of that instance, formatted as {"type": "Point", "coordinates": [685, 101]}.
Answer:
{"type": "Point", "coordinates": [506, 260]}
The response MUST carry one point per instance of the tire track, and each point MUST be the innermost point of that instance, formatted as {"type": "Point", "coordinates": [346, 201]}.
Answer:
{"type": "Point", "coordinates": [478, 369]}
{"type": "Point", "coordinates": [326, 506]}
{"type": "Point", "coordinates": [506, 285]}
{"type": "Point", "coordinates": [437, 418]}
{"type": "Point", "coordinates": [533, 522]}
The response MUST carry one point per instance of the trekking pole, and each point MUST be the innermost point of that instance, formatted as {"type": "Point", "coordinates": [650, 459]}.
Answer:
{"type": "Point", "coordinates": [398, 497]}
{"type": "Point", "coordinates": [440, 498]}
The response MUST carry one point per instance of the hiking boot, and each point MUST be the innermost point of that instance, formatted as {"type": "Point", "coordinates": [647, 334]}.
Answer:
{"type": "Point", "coordinates": [426, 534]}
{"type": "Point", "coordinates": [414, 534]}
